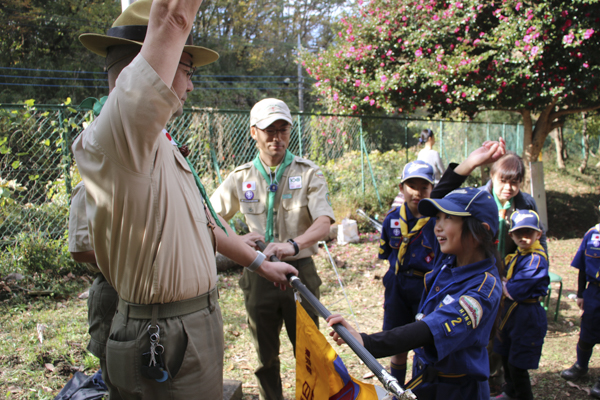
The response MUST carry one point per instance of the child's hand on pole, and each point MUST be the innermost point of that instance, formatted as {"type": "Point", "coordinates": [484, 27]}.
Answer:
{"type": "Point", "coordinates": [338, 319]}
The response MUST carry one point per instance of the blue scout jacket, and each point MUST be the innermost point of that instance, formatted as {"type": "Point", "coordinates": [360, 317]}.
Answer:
{"type": "Point", "coordinates": [588, 255]}
{"type": "Point", "coordinates": [420, 253]}
{"type": "Point", "coordinates": [460, 305]}
{"type": "Point", "coordinates": [530, 277]}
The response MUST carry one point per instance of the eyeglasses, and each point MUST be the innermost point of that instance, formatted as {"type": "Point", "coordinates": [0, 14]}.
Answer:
{"type": "Point", "coordinates": [191, 71]}
{"type": "Point", "coordinates": [283, 131]}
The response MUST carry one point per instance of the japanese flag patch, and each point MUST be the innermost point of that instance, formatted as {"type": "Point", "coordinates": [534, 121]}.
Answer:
{"type": "Point", "coordinates": [394, 223]}
{"type": "Point", "coordinates": [250, 185]}
{"type": "Point", "coordinates": [472, 308]}
{"type": "Point", "coordinates": [595, 239]}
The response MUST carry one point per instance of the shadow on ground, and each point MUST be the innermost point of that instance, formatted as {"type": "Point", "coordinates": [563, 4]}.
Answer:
{"type": "Point", "coordinates": [570, 216]}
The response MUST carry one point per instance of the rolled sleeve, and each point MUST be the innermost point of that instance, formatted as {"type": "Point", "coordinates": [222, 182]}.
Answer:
{"type": "Point", "coordinates": [79, 238]}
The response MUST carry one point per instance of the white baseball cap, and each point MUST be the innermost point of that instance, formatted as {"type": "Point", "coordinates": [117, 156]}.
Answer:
{"type": "Point", "coordinates": [267, 111]}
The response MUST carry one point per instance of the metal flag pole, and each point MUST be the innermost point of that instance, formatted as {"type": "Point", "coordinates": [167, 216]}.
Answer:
{"type": "Point", "coordinates": [340, 282]}
{"type": "Point", "coordinates": [376, 224]}
{"type": "Point", "coordinates": [389, 382]}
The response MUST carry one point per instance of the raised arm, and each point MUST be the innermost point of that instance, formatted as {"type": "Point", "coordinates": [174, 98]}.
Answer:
{"type": "Point", "coordinates": [170, 24]}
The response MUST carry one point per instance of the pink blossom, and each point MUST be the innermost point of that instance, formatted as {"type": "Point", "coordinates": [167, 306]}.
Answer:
{"type": "Point", "coordinates": [444, 88]}
{"type": "Point", "coordinates": [388, 53]}
{"type": "Point", "coordinates": [458, 5]}
{"type": "Point", "coordinates": [438, 83]}
{"type": "Point", "coordinates": [585, 65]}
{"type": "Point", "coordinates": [318, 84]}
{"type": "Point", "coordinates": [396, 76]}
{"type": "Point", "coordinates": [357, 83]}
{"type": "Point", "coordinates": [371, 102]}
{"type": "Point", "coordinates": [534, 50]}
{"type": "Point", "coordinates": [347, 66]}
{"type": "Point", "coordinates": [323, 134]}
{"type": "Point", "coordinates": [518, 7]}
{"type": "Point", "coordinates": [344, 133]}
{"type": "Point", "coordinates": [479, 7]}
{"type": "Point", "coordinates": [588, 33]}
{"type": "Point", "coordinates": [419, 52]}
{"type": "Point", "coordinates": [360, 2]}
{"type": "Point", "coordinates": [449, 100]}
{"type": "Point", "coordinates": [330, 141]}
{"type": "Point", "coordinates": [527, 39]}
{"type": "Point", "coordinates": [463, 94]}
{"type": "Point", "coordinates": [435, 17]}
{"type": "Point", "coordinates": [438, 58]}
{"type": "Point", "coordinates": [463, 62]}
{"type": "Point", "coordinates": [335, 97]}
{"type": "Point", "coordinates": [517, 43]}
{"type": "Point", "coordinates": [308, 71]}
{"type": "Point", "coordinates": [568, 39]}
{"type": "Point", "coordinates": [383, 78]}
{"type": "Point", "coordinates": [366, 98]}
{"type": "Point", "coordinates": [476, 41]}
{"type": "Point", "coordinates": [353, 107]}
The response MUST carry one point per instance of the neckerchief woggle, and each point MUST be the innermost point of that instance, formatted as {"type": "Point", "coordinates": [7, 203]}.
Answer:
{"type": "Point", "coordinates": [91, 103]}
{"type": "Point", "coordinates": [406, 235]}
{"type": "Point", "coordinates": [511, 259]}
{"type": "Point", "coordinates": [289, 157]}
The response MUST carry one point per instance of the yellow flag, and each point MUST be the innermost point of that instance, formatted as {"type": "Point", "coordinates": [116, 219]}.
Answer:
{"type": "Point", "coordinates": [320, 372]}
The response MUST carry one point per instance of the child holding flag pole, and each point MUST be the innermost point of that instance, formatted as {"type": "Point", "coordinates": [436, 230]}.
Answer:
{"type": "Point", "coordinates": [459, 306]}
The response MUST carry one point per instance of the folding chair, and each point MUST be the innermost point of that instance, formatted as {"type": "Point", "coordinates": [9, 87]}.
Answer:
{"type": "Point", "coordinates": [554, 279]}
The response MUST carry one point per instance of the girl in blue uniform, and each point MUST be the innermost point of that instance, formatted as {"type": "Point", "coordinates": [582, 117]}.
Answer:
{"type": "Point", "coordinates": [407, 241]}
{"type": "Point", "coordinates": [587, 261]}
{"type": "Point", "coordinates": [523, 325]}
{"type": "Point", "coordinates": [459, 306]}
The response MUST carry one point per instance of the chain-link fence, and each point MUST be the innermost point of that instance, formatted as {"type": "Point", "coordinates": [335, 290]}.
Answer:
{"type": "Point", "coordinates": [37, 170]}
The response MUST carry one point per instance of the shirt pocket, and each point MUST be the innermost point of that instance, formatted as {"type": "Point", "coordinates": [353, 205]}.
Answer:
{"type": "Point", "coordinates": [296, 215]}
{"type": "Point", "coordinates": [592, 253]}
{"type": "Point", "coordinates": [248, 208]}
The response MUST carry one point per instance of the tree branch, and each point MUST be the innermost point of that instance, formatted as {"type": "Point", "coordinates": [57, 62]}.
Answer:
{"type": "Point", "coordinates": [559, 114]}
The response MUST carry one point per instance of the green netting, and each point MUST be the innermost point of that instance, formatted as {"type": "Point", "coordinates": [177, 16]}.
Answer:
{"type": "Point", "coordinates": [35, 152]}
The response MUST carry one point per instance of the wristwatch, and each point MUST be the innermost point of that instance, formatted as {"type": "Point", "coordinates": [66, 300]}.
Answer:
{"type": "Point", "coordinates": [296, 248]}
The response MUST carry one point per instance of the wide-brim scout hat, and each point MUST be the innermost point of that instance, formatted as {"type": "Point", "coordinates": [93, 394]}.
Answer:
{"type": "Point", "coordinates": [417, 169]}
{"type": "Point", "coordinates": [465, 202]}
{"type": "Point", "coordinates": [524, 219]}
{"type": "Point", "coordinates": [131, 27]}
{"type": "Point", "coordinates": [267, 111]}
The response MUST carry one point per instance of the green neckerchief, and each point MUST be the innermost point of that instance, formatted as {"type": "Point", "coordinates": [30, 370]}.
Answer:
{"type": "Point", "coordinates": [289, 157]}
{"type": "Point", "coordinates": [91, 103]}
{"type": "Point", "coordinates": [203, 192]}
{"type": "Point", "coordinates": [502, 210]}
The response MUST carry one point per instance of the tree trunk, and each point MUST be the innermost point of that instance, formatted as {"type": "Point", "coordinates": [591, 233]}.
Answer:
{"type": "Point", "coordinates": [586, 144]}
{"type": "Point", "coordinates": [559, 143]}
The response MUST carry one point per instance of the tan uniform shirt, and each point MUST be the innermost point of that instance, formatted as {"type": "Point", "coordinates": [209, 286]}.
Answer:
{"type": "Point", "coordinates": [147, 222]}
{"type": "Point", "coordinates": [302, 197]}
{"type": "Point", "coordinates": [79, 238]}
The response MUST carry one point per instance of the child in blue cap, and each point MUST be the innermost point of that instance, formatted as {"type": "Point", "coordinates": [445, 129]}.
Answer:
{"type": "Point", "coordinates": [523, 325]}
{"type": "Point", "coordinates": [459, 304]}
{"type": "Point", "coordinates": [587, 261]}
{"type": "Point", "coordinates": [407, 241]}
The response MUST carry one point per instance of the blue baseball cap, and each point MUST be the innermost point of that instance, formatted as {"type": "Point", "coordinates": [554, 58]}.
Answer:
{"type": "Point", "coordinates": [524, 219]}
{"type": "Point", "coordinates": [417, 169]}
{"type": "Point", "coordinates": [465, 202]}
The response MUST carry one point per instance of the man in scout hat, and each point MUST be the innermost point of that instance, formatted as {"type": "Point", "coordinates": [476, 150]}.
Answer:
{"type": "Point", "coordinates": [152, 235]}
{"type": "Point", "coordinates": [286, 204]}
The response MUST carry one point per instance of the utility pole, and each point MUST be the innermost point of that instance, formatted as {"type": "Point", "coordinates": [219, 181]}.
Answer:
{"type": "Point", "coordinates": [300, 79]}
{"type": "Point", "coordinates": [125, 4]}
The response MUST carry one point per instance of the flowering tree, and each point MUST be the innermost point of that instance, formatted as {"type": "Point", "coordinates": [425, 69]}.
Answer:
{"type": "Point", "coordinates": [538, 58]}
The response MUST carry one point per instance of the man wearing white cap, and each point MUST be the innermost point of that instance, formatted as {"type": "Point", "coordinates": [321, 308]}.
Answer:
{"type": "Point", "coordinates": [285, 201]}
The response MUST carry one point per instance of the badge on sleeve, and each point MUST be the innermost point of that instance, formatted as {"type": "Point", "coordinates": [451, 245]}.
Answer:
{"type": "Point", "coordinates": [472, 308]}
{"type": "Point", "coordinates": [250, 185]}
{"type": "Point", "coordinates": [394, 223]}
{"type": "Point", "coordinates": [295, 182]}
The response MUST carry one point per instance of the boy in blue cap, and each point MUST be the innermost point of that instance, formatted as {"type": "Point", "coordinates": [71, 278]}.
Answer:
{"type": "Point", "coordinates": [524, 324]}
{"type": "Point", "coordinates": [587, 261]}
{"type": "Point", "coordinates": [406, 242]}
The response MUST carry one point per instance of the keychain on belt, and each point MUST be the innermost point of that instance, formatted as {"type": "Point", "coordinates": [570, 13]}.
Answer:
{"type": "Point", "coordinates": [156, 368]}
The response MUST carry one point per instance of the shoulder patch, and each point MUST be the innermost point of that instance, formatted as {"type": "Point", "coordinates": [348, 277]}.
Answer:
{"type": "Point", "coordinates": [390, 211]}
{"type": "Point", "coordinates": [243, 167]}
{"type": "Point", "coordinates": [490, 281]}
{"type": "Point", "coordinates": [472, 308]}
{"type": "Point", "coordinates": [304, 161]}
